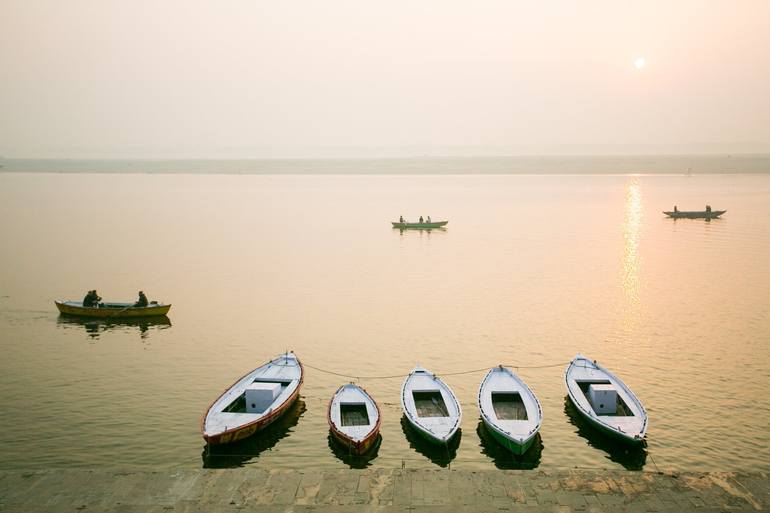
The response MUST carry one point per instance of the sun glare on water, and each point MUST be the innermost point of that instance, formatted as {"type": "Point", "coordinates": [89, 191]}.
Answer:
{"type": "Point", "coordinates": [639, 63]}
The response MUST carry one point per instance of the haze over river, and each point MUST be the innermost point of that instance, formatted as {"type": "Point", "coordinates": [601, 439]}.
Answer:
{"type": "Point", "coordinates": [530, 271]}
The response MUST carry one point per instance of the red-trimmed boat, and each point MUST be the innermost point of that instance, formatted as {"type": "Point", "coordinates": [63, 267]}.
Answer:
{"type": "Point", "coordinates": [354, 418]}
{"type": "Point", "coordinates": [253, 402]}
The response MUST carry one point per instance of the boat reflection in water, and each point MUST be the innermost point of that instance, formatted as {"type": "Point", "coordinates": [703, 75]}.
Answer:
{"type": "Point", "coordinates": [238, 454]}
{"type": "Point", "coordinates": [350, 459]}
{"type": "Point", "coordinates": [632, 457]}
{"type": "Point", "coordinates": [420, 231]}
{"type": "Point", "coordinates": [441, 455]}
{"type": "Point", "coordinates": [94, 327]}
{"type": "Point", "coordinates": [505, 459]}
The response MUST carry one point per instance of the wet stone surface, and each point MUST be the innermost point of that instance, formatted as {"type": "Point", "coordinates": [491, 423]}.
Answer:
{"type": "Point", "coordinates": [381, 490]}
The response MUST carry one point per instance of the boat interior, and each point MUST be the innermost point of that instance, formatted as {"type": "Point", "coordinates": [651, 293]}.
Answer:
{"type": "Point", "coordinates": [621, 408]}
{"type": "Point", "coordinates": [429, 404]}
{"type": "Point", "coordinates": [239, 404]}
{"type": "Point", "coordinates": [354, 414]}
{"type": "Point", "coordinates": [509, 406]}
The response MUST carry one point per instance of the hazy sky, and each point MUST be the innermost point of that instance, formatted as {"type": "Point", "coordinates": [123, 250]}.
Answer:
{"type": "Point", "coordinates": [238, 79]}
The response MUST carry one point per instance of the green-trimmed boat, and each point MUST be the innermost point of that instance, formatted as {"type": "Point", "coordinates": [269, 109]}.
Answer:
{"type": "Point", "coordinates": [419, 226]}
{"type": "Point", "coordinates": [509, 409]}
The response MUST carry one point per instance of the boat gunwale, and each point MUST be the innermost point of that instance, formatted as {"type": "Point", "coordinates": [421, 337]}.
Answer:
{"type": "Point", "coordinates": [272, 415]}
{"type": "Point", "coordinates": [150, 310]}
{"type": "Point", "coordinates": [360, 447]}
{"type": "Point", "coordinates": [693, 214]}
{"type": "Point", "coordinates": [488, 421]}
{"type": "Point", "coordinates": [424, 226]}
{"type": "Point", "coordinates": [593, 417]}
{"type": "Point", "coordinates": [414, 421]}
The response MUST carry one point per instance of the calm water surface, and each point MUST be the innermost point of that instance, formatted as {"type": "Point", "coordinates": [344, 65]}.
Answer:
{"type": "Point", "coordinates": [530, 271]}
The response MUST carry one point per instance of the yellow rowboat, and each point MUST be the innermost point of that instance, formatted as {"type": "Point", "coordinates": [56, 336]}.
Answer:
{"type": "Point", "coordinates": [111, 310]}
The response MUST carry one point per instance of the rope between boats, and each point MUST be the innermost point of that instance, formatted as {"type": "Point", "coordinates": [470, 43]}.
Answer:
{"type": "Point", "coordinates": [394, 376]}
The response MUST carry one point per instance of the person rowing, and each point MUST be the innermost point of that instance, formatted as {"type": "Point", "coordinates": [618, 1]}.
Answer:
{"type": "Point", "coordinates": [142, 301]}
{"type": "Point", "coordinates": [91, 300]}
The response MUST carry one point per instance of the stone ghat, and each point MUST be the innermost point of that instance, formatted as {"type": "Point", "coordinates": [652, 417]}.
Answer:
{"type": "Point", "coordinates": [379, 490]}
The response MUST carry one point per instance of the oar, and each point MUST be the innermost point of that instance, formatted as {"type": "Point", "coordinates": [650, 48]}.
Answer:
{"type": "Point", "coordinates": [119, 311]}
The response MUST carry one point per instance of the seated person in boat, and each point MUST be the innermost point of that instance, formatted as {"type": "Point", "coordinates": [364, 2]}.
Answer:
{"type": "Point", "coordinates": [676, 209]}
{"type": "Point", "coordinates": [142, 300]}
{"type": "Point", "coordinates": [708, 208]}
{"type": "Point", "coordinates": [421, 219]}
{"type": "Point", "coordinates": [92, 299]}
{"type": "Point", "coordinates": [401, 219]}
{"type": "Point", "coordinates": [428, 219]}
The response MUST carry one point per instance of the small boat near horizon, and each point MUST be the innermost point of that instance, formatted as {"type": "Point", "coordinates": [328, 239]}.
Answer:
{"type": "Point", "coordinates": [430, 406]}
{"type": "Point", "coordinates": [354, 418]}
{"type": "Point", "coordinates": [422, 226]}
{"type": "Point", "coordinates": [110, 310]}
{"type": "Point", "coordinates": [254, 402]}
{"type": "Point", "coordinates": [605, 401]}
{"type": "Point", "coordinates": [509, 409]}
{"type": "Point", "coordinates": [694, 214]}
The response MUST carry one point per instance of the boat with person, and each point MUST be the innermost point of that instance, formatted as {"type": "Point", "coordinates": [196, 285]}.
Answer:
{"type": "Point", "coordinates": [605, 401]}
{"type": "Point", "coordinates": [354, 418]}
{"type": "Point", "coordinates": [112, 310]}
{"type": "Point", "coordinates": [254, 401]}
{"type": "Point", "coordinates": [509, 409]}
{"type": "Point", "coordinates": [694, 214]}
{"type": "Point", "coordinates": [430, 406]}
{"type": "Point", "coordinates": [405, 225]}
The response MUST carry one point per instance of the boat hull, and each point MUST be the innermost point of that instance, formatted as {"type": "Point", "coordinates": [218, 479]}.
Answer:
{"type": "Point", "coordinates": [431, 427]}
{"type": "Point", "coordinates": [606, 430]}
{"type": "Point", "coordinates": [357, 447]}
{"type": "Point", "coordinates": [695, 214]}
{"type": "Point", "coordinates": [419, 226]}
{"type": "Point", "coordinates": [247, 430]}
{"type": "Point", "coordinates": [124, 312]}
{"type": "Point", "coordinates": [512, 445]}
{"type": "Point", "coordinates": [632, 433]}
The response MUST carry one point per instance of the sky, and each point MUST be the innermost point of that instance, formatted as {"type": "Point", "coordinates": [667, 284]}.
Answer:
{"type": "Point", "coordinates": [254, 79]}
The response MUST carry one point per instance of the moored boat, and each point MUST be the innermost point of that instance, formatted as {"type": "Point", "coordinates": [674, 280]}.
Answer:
{"type": "Point", "coordinates": [253, 402]}
{"type": "Point", "coordinates": [605, 401]}
{"type": "Point", "coordinates": [354, 418]}
{"type": "Point", "coordinates": [430, 406]}
{"type": "Point", "coordinates": [422, 226]}
{"type": "Point", "coordinates": [509, 409]}
{"type": "Point", "coordinates": [112, 310]}
{"type": "Point", "coordinates": [694, 214]}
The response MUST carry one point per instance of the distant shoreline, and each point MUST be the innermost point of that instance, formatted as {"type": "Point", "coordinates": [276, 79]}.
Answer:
{"type": "Point", "coordinates": [513, 165]}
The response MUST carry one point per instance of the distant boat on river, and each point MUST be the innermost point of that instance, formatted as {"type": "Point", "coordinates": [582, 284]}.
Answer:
{"type": "Point", "coordinates": [112, 310]}
{"type": "Point", "coordinates": [407, 225]}
{"type": "Point", "coordinates": [694, 214]}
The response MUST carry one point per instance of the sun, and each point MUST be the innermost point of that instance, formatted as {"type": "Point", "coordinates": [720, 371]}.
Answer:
{"type": "Point", "coordinates": [640, 63]}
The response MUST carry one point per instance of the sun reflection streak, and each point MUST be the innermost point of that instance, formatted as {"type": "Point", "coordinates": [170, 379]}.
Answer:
{"type": "Point", "coordinates": [632, 224]}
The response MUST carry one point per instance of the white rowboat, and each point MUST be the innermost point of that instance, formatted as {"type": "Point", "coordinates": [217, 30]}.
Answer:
{"type": "Point", "coordinates": [254, 401]}
{"type": "Point", "coordinates": [509, 409]}
{"type": "Point", "coordinates": [354, 418]}
{"type": "Point", "coordinates": [605, 401]}
{"type": "Point", "coordinates": [430, 406]}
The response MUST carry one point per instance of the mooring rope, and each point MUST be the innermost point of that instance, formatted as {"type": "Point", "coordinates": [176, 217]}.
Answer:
{"type": "Point", "coordinates": [394, 376]}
